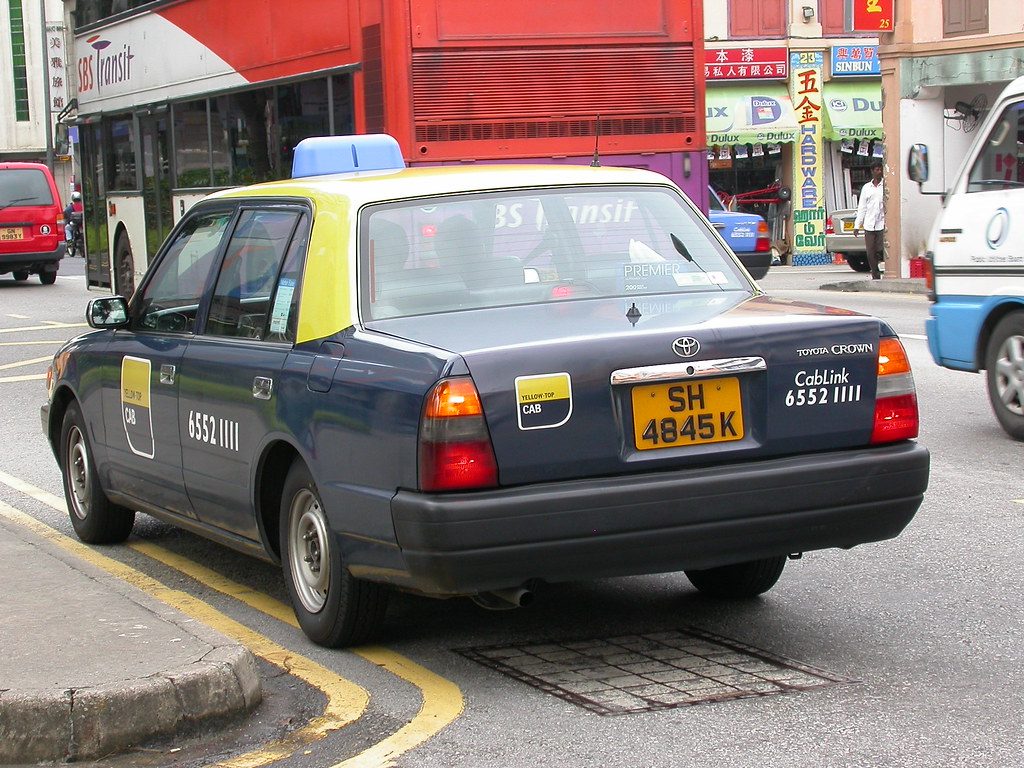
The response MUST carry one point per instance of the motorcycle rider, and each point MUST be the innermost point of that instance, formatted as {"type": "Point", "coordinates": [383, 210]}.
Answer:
{"type": "Point", "coordinates": [73, 218]}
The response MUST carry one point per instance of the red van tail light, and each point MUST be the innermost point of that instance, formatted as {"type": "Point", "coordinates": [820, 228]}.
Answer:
{"type": "Point", "coordinates": [455, 451]}
{"type": "Point", "coordinates": [896, 415]}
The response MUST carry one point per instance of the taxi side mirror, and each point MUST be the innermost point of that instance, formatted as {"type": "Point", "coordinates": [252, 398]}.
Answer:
{"type": "Point", "coordinates": [917, 163]}
{"type": "Point", "coordinates": [107, 312]}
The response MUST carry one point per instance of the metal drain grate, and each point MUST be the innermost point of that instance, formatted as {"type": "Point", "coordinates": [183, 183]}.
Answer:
{"type": "Point", "coordinates": [652, 671]}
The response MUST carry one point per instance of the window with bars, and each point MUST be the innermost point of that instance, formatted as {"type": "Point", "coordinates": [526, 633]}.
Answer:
{"type": "Point", "coordinates": [19, 69]}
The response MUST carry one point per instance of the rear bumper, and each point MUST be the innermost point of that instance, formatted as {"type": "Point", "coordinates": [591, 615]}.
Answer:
{"type": "Point", "coordinates": [35, 261]}
{"type": "Point", "coordinates": [658, 522]}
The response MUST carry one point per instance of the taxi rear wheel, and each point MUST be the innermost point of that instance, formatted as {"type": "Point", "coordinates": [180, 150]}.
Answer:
{"type": "Point", "coordinates": [1004, 365]}
{"type": "Point", "coordinates": [333, 607]}
{"type": "Point", "coordinates": [95, 519]}
{"type": "Point", "coordinates": [740, 579]}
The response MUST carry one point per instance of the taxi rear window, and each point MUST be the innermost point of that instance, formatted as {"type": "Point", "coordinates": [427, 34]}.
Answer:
{"type": "Point", "coordinates": [535, 246]}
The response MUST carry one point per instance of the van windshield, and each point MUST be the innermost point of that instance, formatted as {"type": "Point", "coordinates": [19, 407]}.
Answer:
{"type": "Point", "coordinates": [24, 186]}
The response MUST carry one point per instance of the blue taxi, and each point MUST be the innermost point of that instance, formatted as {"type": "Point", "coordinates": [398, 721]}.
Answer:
{"type": "Point", "coordinates": [474, 381]}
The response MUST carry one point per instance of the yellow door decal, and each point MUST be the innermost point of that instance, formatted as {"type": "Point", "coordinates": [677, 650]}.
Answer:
{"type": "Point", "coordinates": [136, 379]}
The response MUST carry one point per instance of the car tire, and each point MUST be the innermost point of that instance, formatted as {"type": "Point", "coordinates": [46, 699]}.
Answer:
{"type": "Point", "coordinates": [740, 579]}
{"type": "Point", "coordinates": [47, 278]}
{"type": "Point", "coordinates": [858, 262]}
{"type": "Point", "coordinates": [1004, 366]}
{"type": "Point", "coordinates": [20, 276]}
{"type": "Point", "coordinates": [95, 518]}
{"type": "Point", "coordinates": [333, 607]}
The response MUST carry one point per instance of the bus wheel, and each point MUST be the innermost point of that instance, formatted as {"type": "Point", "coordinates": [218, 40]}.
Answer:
{"type": "Point", "coordinates": [125, 266]}
{"type": "Point", "coordinates": [1004, 364]}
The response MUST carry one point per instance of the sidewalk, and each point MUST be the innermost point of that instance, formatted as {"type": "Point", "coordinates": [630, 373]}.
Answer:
{"type": "Point", "coordinates": [91, 665]}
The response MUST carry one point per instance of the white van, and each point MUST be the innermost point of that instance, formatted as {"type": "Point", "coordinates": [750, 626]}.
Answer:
{"type": "Point", "coordinates": [976, 248]}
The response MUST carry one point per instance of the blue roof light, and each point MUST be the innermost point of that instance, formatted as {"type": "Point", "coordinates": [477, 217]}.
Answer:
{"type": "Point", "coordinates": [320, 155]}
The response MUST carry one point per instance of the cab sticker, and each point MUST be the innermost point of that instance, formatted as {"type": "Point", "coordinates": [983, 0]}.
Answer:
{"type": "Point", "coordinates": [135, 408]}
{"type": "Point", "coordinates": [543, 401]}
{"type": "Point", "coordinates": [823, 386]}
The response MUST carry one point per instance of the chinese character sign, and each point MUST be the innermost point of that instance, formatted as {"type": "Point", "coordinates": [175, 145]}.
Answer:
{"type": "Point", "coordinates": [872, 15]}
{"type": "Point", "coordinates": [746, 63]}
{"type": "Point", "coordinates": [806, 76]}
{"type": "Point", "coordinates": [56, 66]}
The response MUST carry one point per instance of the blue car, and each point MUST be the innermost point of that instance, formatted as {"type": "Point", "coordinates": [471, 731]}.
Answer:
{"type": "Point", "coordinates": [472, 381]}
{"type": "Point", "coordinates": [746, 233]}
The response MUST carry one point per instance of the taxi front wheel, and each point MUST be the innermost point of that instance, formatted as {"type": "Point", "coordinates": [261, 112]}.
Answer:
{"type": "Point", "coordinates": [740, 579]}
{"type": "Point", "coordinates": [95, 519]}
{"type": "Point", "coordinates": [333, 608]}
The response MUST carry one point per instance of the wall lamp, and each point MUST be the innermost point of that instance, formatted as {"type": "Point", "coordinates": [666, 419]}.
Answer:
{"type": "Point", "coordinates": [808, 12]}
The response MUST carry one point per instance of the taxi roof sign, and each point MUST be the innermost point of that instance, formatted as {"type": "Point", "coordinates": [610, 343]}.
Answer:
{"type": "Point", "coordinates": [321, 155]}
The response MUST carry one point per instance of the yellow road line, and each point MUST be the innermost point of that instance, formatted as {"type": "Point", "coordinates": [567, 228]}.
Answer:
{"type": "Point", "coordinates": [442, 701]}
{"type": "Point", "coordinates": [32, 343]}
{"type": "Point", "coordinates": [346, 701]}
{"type": "Point", "coordinates": [33, 361]}
{"type": "Point", "coordinates": [47, 327]}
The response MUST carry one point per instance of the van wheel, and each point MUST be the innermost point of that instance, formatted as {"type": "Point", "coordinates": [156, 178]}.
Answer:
{"type": "Point", "coordinates": [333, 607]}
{"type": "Point", "coordinates": [20, 275]}
{"type": "Point", "coordinates": [95, 519]}
{"type": "Point", "coordinates": [740, 579]}
{"type": "Point", "coordinates": [125, 266]}
{"type": "Point", "coordinates": [1004, 366]}
{"type": "Point", "coordinates": [47, 278]}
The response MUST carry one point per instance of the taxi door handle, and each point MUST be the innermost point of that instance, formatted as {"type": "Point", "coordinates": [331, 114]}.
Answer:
{"type": "Point", "coordinates": [262, 387]}
{"type": "Point", "coordinates": [167, 374]}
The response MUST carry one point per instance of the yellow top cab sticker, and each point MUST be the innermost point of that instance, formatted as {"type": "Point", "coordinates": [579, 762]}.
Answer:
{"type": "Point", "coordinates": [135, 405]}
{"type": "Point", "coordinates": [543, 400]}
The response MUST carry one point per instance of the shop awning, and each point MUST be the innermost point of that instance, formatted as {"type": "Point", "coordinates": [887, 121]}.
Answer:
{"type": "Point", "coordinates": [758, 113]}
{"type": "Point", "coordinates": [853, 110]}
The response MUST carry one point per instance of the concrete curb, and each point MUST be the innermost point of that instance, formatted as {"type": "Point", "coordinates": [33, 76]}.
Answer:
{"type": "Point", "coordinates": [94, 665]}
{"type": "Point", "coordinates": [899, 285]}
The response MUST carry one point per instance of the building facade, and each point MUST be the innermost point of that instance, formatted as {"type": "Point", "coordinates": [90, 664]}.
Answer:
{"type": "Point", "coordinates": [793, 105]}
{"type": "Point", "coordinates": [35, 85]}
{"type": "Point", "coordinates": [940, 73]}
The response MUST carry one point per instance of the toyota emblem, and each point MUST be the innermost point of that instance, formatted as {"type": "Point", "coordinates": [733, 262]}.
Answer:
{"type": "Point", "coordinates": [687, 346]}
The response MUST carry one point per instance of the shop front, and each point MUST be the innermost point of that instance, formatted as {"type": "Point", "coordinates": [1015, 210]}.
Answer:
{"type": "Point", "coordinates": [751, 129]}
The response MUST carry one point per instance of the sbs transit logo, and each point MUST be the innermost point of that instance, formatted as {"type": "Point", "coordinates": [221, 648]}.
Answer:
{"type": "Point", "coordinates": [102, 68]}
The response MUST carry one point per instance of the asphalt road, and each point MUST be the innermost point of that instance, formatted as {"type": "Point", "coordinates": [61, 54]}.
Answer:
{"type": "Point", "coordinates": [910, 649]}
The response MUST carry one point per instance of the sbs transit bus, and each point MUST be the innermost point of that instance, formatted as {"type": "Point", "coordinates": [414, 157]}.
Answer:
{"type": "Point", "coordinates": [179, 98]}
{"type": "Point", "coordinates": [976, 250]}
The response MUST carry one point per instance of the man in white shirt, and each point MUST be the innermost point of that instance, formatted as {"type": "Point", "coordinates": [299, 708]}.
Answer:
{"type": "Point", "coordinates": [871, 218]}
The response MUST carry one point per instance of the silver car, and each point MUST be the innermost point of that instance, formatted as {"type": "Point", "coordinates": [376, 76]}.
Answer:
{"type": "Point", "coordinates": [839, 238]}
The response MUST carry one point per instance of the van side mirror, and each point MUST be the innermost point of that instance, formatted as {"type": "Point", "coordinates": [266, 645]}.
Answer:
{"type": "Point", "coordinates": [917, 163]}
{"type": "Point", "coordinates": [60, 139]}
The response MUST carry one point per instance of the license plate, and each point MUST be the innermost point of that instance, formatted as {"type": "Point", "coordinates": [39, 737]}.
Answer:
{"type": "Point", "coordinates": [847, 226]}
{"type": "Point", "coordinates": [12, 233]}
{"type": "Point", "coordinates": [687, 413]}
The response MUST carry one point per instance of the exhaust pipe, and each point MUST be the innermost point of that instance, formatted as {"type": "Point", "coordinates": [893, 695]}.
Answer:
{"type": "Point", "coordinates": [503, 599]}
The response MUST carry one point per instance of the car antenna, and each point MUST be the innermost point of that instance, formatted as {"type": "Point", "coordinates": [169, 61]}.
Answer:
{"type": "Point", "coordinates": [596, 162]}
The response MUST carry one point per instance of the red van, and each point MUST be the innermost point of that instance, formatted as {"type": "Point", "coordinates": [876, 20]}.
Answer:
{"type": "Point", "coordinates": [31, 222]}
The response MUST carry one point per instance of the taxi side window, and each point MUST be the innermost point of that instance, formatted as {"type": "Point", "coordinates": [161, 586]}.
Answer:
{"type": "Point", "coordinates": [1000, 165]}
{"type": "Point", "coordinates": [170, 299]}
{"type": "Point", "coordinates": [248, 279]}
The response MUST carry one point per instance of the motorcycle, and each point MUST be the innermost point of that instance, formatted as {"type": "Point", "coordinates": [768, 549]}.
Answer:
{"type": "Point", "coordinates": [76, 244]}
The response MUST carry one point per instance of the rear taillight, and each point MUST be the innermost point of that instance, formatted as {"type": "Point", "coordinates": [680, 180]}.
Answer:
{"type": "Point", "coordinates": [764, 240]}
{"type": "Point", "coordinates": [829, 227]}
{"type": "Point", "coordinates": [896, 416]}
{"type": "Point", "coordinates": [455, 451]}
